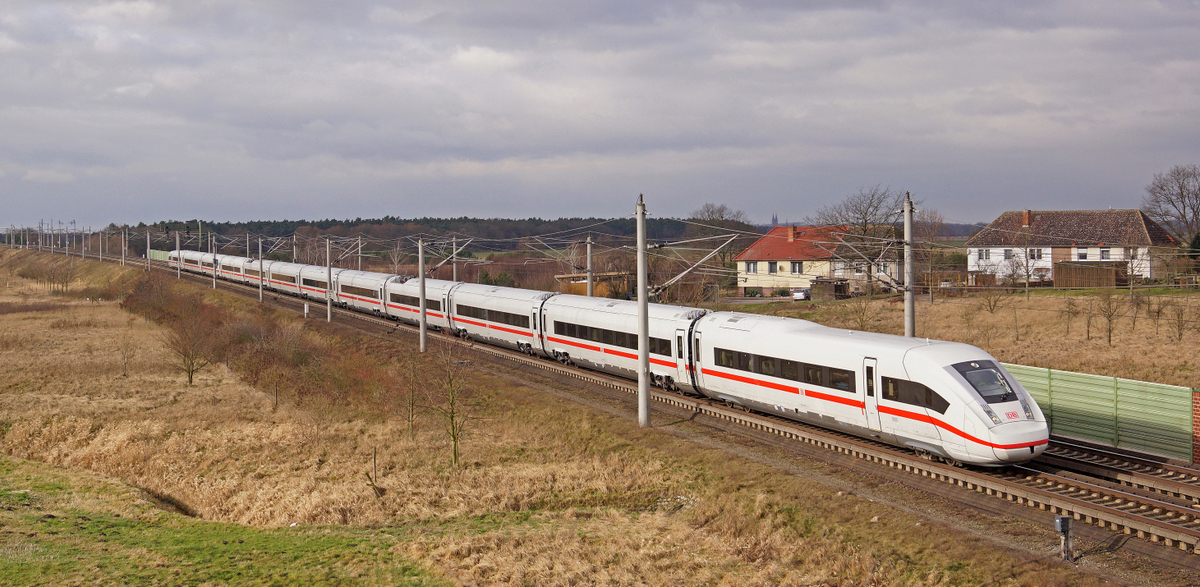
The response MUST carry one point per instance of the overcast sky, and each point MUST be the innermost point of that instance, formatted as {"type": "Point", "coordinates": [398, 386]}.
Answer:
{"type": "Point", "coordinates": [271, 109]}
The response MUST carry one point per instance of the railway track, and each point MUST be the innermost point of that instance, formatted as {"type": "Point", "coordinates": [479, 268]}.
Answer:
{"type": "Point", "coordinates": [1125, 494]}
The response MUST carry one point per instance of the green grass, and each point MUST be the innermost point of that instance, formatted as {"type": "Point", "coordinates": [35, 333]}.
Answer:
{"type": "Point", "coordinates": [62, 527]}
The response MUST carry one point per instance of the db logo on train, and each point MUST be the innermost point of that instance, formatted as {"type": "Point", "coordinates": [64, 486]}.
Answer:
{"type": "Point", "coordinates": [1012, 415]}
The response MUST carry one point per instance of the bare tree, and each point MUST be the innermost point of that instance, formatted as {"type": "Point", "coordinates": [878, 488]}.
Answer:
{"type": "Point", "coordinates": [454, 400]}
{"type": "Point", "coordinates": [1136, 304]}
{"type": "Point", "coordinates": [1070, 311]}
{"type": "Point", "coordinates": [1155, 310]}
{"type": "Point", "coordinates": [127, 348]}
{"type": "Point", "coordinates": [993, 299]}
{"type": "Point", "coordinates": [1179, 320]}
{"type": "Point", "coordinates": [396, 257]}
{"type": "Point", "coordinates": [1110, 308]}
{"type": "Point", "coordinates": [189, 342]}
{"type": "Point", "coordinates": [1173, 201]}
{"type": "Point", "coordinates": [721, 219]}
{"type": "Point", "coordinates": [870, 218]}
{"type": "Point", "coordinates": [861, 312]}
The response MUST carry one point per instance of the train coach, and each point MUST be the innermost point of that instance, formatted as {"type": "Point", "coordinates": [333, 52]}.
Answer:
{"type": "Point", "coordinates": [946, 400]}
{"type": "Point", "coordinates": [941, 399]}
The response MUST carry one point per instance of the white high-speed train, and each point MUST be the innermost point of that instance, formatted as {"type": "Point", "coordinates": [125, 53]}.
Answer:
{"type": "Point", "coordinates": [942, 399]}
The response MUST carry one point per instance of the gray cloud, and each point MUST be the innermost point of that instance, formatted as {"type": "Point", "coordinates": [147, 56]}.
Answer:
{"type": "Point", "coordinates": [142, 110]}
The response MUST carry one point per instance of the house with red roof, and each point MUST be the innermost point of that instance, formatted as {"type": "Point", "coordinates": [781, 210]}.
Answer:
{"type": "Point", "coordinates": [791, 257]}
{"type": "Point", "coordinates": [1027, 244]}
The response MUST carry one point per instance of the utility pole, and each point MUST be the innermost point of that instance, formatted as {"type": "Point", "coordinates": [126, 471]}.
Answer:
{"type": "Point", "coordinates": [589, 266]}
{"type": "Point", "coordinates": [910, 292]}
{"type": "Point", "coordinates": [328, 283]}
{"type": "Point", "coordinates": [212, 250]}
{"type": "Point", "coordinates": [178, 257]}
{"type": "Point", "coordinates": [147, 248]}
{"type": "Point", "coordinates": [124, 245]}
{"type": "Point", "coordinates": [261, 276]}
{"type": "Point", "coordinates": [421, 290]}
{"type": "Point", "coordinates": [454, 258]}
{"type": "Point", "coordinates": [200, 236]}
{"type": "Point", "coordinates": [247, 243]}
{"type": "Point", "coordinates": [360, 252]}
{"type": "Point", "coordinates": [294, 247]}
{"type": "Point", "coordinates": [643, 320]}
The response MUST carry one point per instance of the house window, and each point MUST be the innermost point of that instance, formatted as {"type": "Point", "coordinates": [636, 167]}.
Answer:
{"type": "Point", "coordinates": [797, 267]}
{"type": "Point", "coordinates": [1081, 254]}
{"type": "Point", "coordinates": [1035, 254]}
{"type": "Point", "coordinates": [1130, 253]}
{"type": "Point", "coordinates": [985, 254]}
{"type": "Point", "coordinates": [883, 268]}
{"type": "Point", "coordinates": [751, 266]}
{"type": "Point", "coordinates": [1008, 254]}
{"type": "Point", "coordinates": [772, 267]}
{"type": "Point", "coordinates": [1105, 254]}
{"type": "Point", "coordinates": [858, 269]}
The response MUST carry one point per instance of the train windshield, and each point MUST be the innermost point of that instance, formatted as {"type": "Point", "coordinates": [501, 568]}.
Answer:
{"type": "Point", "coordinates": [988, 381]}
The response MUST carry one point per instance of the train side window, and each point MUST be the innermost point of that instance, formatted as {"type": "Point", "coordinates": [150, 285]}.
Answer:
{"type": "Point", "coordinates": [813, 374]}
{"type": "Point", "coordinates": [789, 369]}
{"type": "Point", "coordinates": [841, 379]}
{"type": "Point", "coordinates": [871, 381]}
{"type": "Point", "coordinates": [891, 389]}
{"type": "Point", "coordinates": [679, 346]}
{"type": "Point", "coordinates": [723, 358]}
{"type": "Point", "coordinates": [766, 366]}
{"type": "Point", "coordinates": [743, 362]}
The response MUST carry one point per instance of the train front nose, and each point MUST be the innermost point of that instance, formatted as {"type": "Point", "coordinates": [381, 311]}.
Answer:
{"type": "Point", "coordinates": [1017, 442]}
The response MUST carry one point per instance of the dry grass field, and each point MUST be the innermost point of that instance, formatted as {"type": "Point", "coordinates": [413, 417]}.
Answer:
{"type": "Point", "coordinates": [548, 491]}
{"type": "Point", "coordinates": [1156, 344]}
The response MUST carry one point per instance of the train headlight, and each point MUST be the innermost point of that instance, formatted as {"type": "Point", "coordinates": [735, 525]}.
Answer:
{"type": "Point", "coordinates": [1028, 412]}
{"type": "Point", "coordinates": [988, 410]}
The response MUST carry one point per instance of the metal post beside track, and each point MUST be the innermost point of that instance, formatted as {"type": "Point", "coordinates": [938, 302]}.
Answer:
{"type": "Point", "coordinates": [261, 276]}
{"type": "Point", "coordinates": [421, 290]}
{"type": "Point", "coordinates": [910, 286]}
{"type": "Point", "coordinates": [643, 320]}
{"type": "Point", "coordinates": [328, 283]}
{"type": "Point", "coordinates": [589, 266]}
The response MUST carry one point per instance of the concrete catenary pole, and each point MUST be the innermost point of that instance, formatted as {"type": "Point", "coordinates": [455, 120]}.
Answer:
{"type": "Point", "coordinates": [421, 291]}
{"type": "Point", "coordinates": [247, 243]}
{"type": "Point", "coordinates": [590, 279]}
{"type": "Point", "coordinates": [454, 258]}
{"type": "Point", "coordinates": [147, 248]}
{"type": "Point", "coordinates": [178, 258]}
{"type": "Point", "coordinates": [261, 276]}
{"type": "Point", "coordinates": [643, 320]}
{"type": "Point", "coordinates": [328, 283]}
{"type": "Point", "coordinates": [294, 250]}
{"type": "Point", "coordinates": [360, 252]}
{"type": "Point", "coordinates": [199, 235]}
{"type": "Point", "coordinates": [212, 250]}
{"type": "Point", "coordinates": [910, 285]}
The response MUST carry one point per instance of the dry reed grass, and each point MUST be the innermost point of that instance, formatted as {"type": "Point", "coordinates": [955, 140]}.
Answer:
{"type": "Point", "coordinates": [550, 493]}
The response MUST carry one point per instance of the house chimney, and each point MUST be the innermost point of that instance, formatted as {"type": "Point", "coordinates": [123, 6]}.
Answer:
{"type": "Point", "coordinates": [791, 234]}
{"type": "Point", "coordinates": [1026, 216]}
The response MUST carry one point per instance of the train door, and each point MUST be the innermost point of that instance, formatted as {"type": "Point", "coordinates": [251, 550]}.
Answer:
{"type": "Point", "coordinates": [697, 372]}
{"type": "Point", "coordinates": [871, 403]}
{"type": "Point", "coordinates": [681, 366]}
